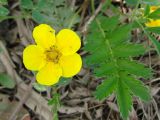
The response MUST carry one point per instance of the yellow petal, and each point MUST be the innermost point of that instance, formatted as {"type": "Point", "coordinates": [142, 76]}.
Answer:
{"type": "Point", "coordinates": [49, 74]}
{"type": "Point", "coordinates": [68, 42]}
{"type": "Point", "coordinates": [44, 35]}
{"type": "Point", "coordinates": [153, 23]}
{"type": "Point", "coordinates": [153, 8]}
{"type": "Point", "coordinates": [33, 57]}
{"type": "Point", "coordinates": [71, 65]}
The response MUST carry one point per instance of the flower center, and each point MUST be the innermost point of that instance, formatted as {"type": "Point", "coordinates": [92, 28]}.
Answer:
{"type": "Point", "coordinates": [53, 55]}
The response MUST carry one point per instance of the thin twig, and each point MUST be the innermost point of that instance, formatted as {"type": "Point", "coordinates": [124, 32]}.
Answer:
{"type": "Point", "coordinates": [84, 29]}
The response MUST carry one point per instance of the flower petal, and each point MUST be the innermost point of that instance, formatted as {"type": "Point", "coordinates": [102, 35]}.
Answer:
{"type": "Point", "coordinates": [49, 74]}
{"type": "Point", "coordinates": [44, 35]}
{"type": "Point", "coordinates": [68, 42]}
{"type": "Point", "coordinates": [71, 65]}
{"type": "Point", "coordinates": [33, 57]}
{"type": "Point", "coordinates": [153, 23]}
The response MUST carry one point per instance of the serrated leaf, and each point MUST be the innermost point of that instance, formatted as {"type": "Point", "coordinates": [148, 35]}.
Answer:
{"type": "Point", "coordinates": [6, 81]}
{"type": "Point", "coordinates": [3, 11]}
{"type": "Point", "coordinates": [26, 4]}
{"type": "Point", "coordinates": [138, 88]}
{"type": "Point", "coordinates": [110, 54]}
{"type": "Point", "coordinates": [119, 35]}
{"type": "Point", "coordinates": [39, 87]}
{"type": "Point", "coordinates": [127, 50]}
{"type": "Point", "coordinates": [109, 22]}
{"type": "Point", "coordinates": [106, 88]}
{"type": "Point", "coordinates": [134, 68]}
{"type": "Point", "coordinates": [104, 69]}
{"type": "Point", "coordinates": [124, 99]}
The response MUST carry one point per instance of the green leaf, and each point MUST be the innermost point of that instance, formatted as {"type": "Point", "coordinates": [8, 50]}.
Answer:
{"type": "Point", "coordinates": [138, 88]}
{"type": "Point", "coordinates": [106, 88]}
{"type": "Point", "coordinates": [3, 11]}
{"type": "Point", "coordinates": [38, 17]}
{"type": "Point", "coordinates": [39, 87]}
{"type": "Point", "coordinates": [26, 4]}
{"type": "Point", "coordinates": [98, 56]}
{"type": "Point", "coordinates": [155, 14]}
{"type": "Point", "coordinates": [3, 2]}
{"type": "Point", "coordinates": [109, 22]}
{"type": "Point", "coordinates": [154, 29]}
{"type": "Point", "coordinates": [105, 69]}
{"type": "Point", "coordinates": [6, 81]}
{"type": "Point", "coordinates": [132, 2]}
{"type": "Point", "coordinates": [110, 53]}
{"type": "Point", "coordinates": [155, 42]}
{"type": "Point", "coordinates": [41, 5]}
{"type": "Point", "coordinates": [151, 2]}
{"type": "Point", "coordinates": [124, 99]}
{"type": "Point", "coordinates": [119, 35]}
{"type": "Point", "coordinates": [134, 68]}
{"type": "Point", "coordinates": [127, 50]}
{"type": "Point", "coordinates": [55, 100]}
{"type": "Point", "coordinates": [64, 81]}
{"type": "Point", "coordinates": [147, 10]}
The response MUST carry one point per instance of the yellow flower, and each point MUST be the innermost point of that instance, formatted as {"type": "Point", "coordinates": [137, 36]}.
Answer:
{"type": "Point", "coordinates": [153, 23]}
{"type": "Point", "coordinates": [53, 55]}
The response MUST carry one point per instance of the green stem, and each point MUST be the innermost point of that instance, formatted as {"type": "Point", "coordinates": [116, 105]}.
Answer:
{"type": "Point", "coordinates": [109, 46]}
{"type": "Point", "coordinates": [13, 17]}
{"type": "Point", "coordinates": [92, 6]}
{"type": "Point", "coordinates": [73, 18]}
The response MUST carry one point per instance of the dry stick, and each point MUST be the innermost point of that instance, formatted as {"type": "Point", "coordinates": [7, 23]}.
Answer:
{"type": "Point", "coordinates": [84, 29]}
{"type": "Point", "coordinates": [22, 101]}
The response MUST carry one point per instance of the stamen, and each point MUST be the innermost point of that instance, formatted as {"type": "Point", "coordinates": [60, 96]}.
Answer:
{"type": "Point", "coordinates": [53, 55]}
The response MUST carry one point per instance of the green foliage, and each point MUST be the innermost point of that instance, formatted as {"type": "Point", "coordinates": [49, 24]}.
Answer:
{"type": "Point", "coordinates": [155, 42]}
{"type": "Point", "coordinates": [155, 14]}
{"type": "Point", "coordinates": [151, 2]}
{"type": "Point", "coordinates": [64, 81]}
{"type": "Point", "coordinates": [152, 38]}
{"type": "Point", "coordinates": [108, 86]}
{"type": "Point", "coordinates": [3, 2]}
{"type": "Point", "coordinates": [26, 4]}
{"type": "Point", "coordinates": [3, 11]}
{"type": "Point", "coordinates": [147, 10]}
{"type": "Point", "coordinates": [55, 103]}
{"type": "Point", "coordinates": [6, 81]}
{"type": "Point", "coordinates": [53, 12]}
{"type": "Point", "coordinates": [131, 2]}
{"type": "Point", "coordinates": [39, 87]}
{"type": "Point", "coordinates": [110, 56]}
{"type": "Point", "coordinates": [148, 2]}
{"type": "Point", "coordinates": [154, 30]}
{"type": "Point", "coordinates": [124, 98]}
